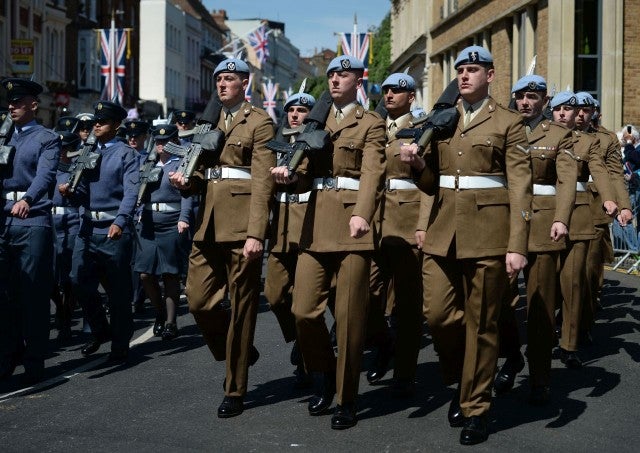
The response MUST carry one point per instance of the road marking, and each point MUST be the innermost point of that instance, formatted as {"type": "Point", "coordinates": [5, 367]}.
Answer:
{"type": "Point", "coordinates": [75, 372]}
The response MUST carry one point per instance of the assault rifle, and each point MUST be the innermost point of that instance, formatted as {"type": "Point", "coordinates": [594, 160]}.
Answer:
{"type": "Point", "coordinates": [442, 119]}
{"type": "Point", "coordinates": [203, 134]}
{"type": "Point", "coordinates": [6, 151]}
{"type": "Point", "coordinates": [87, 160]}
{"type": "Point", "coordinates": [294, 152]}
{"type": "Point", "coordinates": [148, 171]}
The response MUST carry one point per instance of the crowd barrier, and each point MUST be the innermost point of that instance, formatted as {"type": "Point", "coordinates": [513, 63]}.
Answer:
{"type": "Point", "coordinates": [626, 243]}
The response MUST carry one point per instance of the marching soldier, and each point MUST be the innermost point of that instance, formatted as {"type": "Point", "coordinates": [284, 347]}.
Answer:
{"type": "Point", "coordinates": [288, 214]}
{"type": "Point", "coordinates": [337, 240]}
{"type": "Point", "coordinates": [572, 275]}
{"type": "Point", "coordinates": [232, 223]}
{"type": "Point", "coordinates": [104, 244]}
{"type": "Point", "coordinates": [164, 242]}
{"type": "Point", "coordinates": [185, 121]}
{"type": "Point", "coordinates": [85, 125]}
{"type": "Point", "coordinates": [399, 261]}
{"type": "Point", "coordinates": [477, 236]}
{"type": "Point", "coordinates": [26, 240]}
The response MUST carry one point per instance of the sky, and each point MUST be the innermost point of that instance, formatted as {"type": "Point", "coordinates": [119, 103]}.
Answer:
{"type": "Point", "coordinates": [309, 24]}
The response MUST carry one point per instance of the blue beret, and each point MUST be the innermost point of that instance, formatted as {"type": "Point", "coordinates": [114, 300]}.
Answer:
{"type": "Point", "coordinates": [109, 110]}
{"type": "Point", "coordinates": [136, 127]}
{"type": "Point", "coordinates": [164, 131]}
{"type": "Point", "coordinates": [184, 116]}
{"type": "Point", "coordinates": [345, 63]}
{"type": "Point", "coordinates": [473, 55]}
{"type": "Point", "coordinates": [563, 98]}
{"type": "Point", "coordinates": [66, 123]}
{"type": "Point", "coordinates": [303, 99]}
{"type": "Point", "coordinates": [531, 82]}
{"type": "Point", "coordinates": [18, 88]}
{"type": "Point", "coordinates": [585, 98]}
{"type": "Point", "coordinates": [231, 65]}
{"type": "Point", "coordinates": [399, 80]}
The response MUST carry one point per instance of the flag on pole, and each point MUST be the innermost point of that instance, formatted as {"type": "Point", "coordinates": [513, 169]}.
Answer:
{"type": "Point", "coordinates": [286, 94]}
{"type": "Point", "coordinates": [270, 90]}
{"type": "Point", "coordinates": [249, 90]}
{"type": "Point", "coordinates": [113, 43]}
{"type": "Point", "coordinates": [357, 45]}
{"type": "Point", "coordinates": [259, 40]}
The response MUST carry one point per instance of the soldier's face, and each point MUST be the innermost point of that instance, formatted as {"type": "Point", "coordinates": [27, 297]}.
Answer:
{"type": "Point", "coordinates": [584, 115]}
{"type": "Point", "coordinates": [184, 125]}
{"type": "Point", "coordinates": [398, 101]}
{"type": "Point", "coordinates": [473, 81]}
{"type": "Point", "coordinates": [565, 115]}
{"type": "Point", "coordinates": [343, 86]}
{"type": "Point", "coordinates": [23, 110]}
{"type": "Point", "coordinates": [137, 141]}
{"type": "Point", "coordinates": [231, 88]}
{"type": "Point", "coordinates": [530, 103]}
{"type": "Point", "coordinates": [296, 115]}
{"type": "Point", "coordinates": [105, 129]}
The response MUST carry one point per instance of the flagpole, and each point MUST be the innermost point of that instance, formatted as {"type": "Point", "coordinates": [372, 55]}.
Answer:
{"type": "Point", "coordinates": [112, 62]}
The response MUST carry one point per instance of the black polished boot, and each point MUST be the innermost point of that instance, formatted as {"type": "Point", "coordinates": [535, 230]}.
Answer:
{"type": "Point", "coordinates": [344, 417]}
{"type": "Point", "coordinates": [322, 400]}
{"type": "Point", "coordinates": [454, 414]}
{"type": "Point", "coordinates": [474, 430]}
{"type": "Point", "coordinates": [506, 377]}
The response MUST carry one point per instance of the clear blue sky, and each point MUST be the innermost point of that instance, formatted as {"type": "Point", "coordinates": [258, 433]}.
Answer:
{"type": "Point", "coordinates": [309, 24]}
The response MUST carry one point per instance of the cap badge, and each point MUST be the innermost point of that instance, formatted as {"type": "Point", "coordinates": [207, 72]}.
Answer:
{"type": "Point", "coordinates": [162, 131]}
{"type": "Point", "coordinates": [183, 114]}
{"type": "Point", "coordinates": [402, 83]}
{"type": "Point", "coordinates": [473, 56]}
{"type": "Point", "coordinates": [304, 100]}
{"type": "Point", "coordinates": [231, 66]}
{"type": "Point", "coordinates": [572, 100]}
{"type": "Point", "coordinates": [346, 63]}
{"type": "Point", "coordinates": [532, 85]}
{"type": "Point", "coordinates": [9, 86]}
{"type": "Point", "coordinates": [99, 106]}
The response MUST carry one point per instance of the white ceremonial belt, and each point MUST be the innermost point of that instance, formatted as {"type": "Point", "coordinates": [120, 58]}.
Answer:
{"type": "Point", "coordinates": [162, 207]}
{"type": "Point", "coordinates": [227, 173]}
{"type": "Point", "coordinates": [590, 178]}
{"type": "Point", "coordinates": [12, 195]}
{"type": "Point", "coordinates": [400, 184]}
{"type": "Point", "coordinates": [581, 186]}
{"type": "Point", "coordinates": [283, 197]}
{"type": "Point", "coordinates": [62, 210]}
{"type": "Point", "coordinates": [101, 215]}
{"type": "Point", "coordinates": [472, 182]}
{"type": "Point", "coordinates": [339, 182]}
{"type": "Point", "coordinates": [544, 189]}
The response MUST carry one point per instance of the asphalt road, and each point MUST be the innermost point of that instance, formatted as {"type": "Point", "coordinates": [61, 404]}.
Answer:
{"type": "Point", "coordinates": [166, 399]}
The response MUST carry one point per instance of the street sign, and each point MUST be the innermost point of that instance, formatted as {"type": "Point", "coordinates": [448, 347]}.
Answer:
{"type": "Point", "coordinates": [22, 56]}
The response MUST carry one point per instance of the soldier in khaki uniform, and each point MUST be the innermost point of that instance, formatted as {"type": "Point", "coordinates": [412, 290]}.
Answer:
{"type": "Point", "coordinates": [286, 224]}
{"type": "Point", "coordinates": [337, 240]}
{"type": "Point", "coordinates": [572, 275]}
{"type": "Point", "coordinates": [232, 222]}
{"type": "Point", "coordinates": [477, 236]}
{"type": "Point", "coordinates": [601, 249]}
{"type": "Point", "coordinates": [399, 261]}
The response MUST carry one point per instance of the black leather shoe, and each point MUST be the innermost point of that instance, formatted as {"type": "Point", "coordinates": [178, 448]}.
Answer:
{"type": "Point", "coordinates": [170, 331]}
{"type": "Point", "coordinates": [570, 359]}
{"type": "Point", "coordinates": [344, 417]}
{"type": "Point", "coordinates": [507, 375]}
{"type": "Point", "coordinates": [231, 406]}
{"type": "Point", "coordinates": [540, 395]}
{"type": "Point", "coordinates": [402, 388]}
{"type": "Point", "coordinates": [322, 401]}
{"type": "Point", "coordinates": [158, 326]}
{"type": "Point", "coordinates": [454, 415]}
{"type": "Point", "coordinates": [118, 357]}
{"type": "Point", "coordinates": [381, 364]}
{"type": "Point", "coordinates": [92, 346]}
{"type": "Point", "coordinates": [474, 430]}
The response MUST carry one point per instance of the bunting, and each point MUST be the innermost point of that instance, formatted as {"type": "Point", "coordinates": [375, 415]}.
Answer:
{"type": "Point", "coordinates": [270, 90]}
{"type": "Point", "coordinates": [249, 90]}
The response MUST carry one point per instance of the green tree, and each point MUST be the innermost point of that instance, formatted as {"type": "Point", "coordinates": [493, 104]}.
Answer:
{"type": "Point", "coordinates": [379, 68]}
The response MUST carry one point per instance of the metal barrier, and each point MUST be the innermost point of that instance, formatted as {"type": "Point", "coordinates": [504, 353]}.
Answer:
{"type": "Point", "coordinates": [626, 242]}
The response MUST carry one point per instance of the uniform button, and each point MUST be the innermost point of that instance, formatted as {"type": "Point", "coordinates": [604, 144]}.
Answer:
{"type": "Point", "coordinates": [458, 171]}
{"type": "Point", "coordinates": [459, 153]}
{"type": "Point", "coordinates": [462, 135]}
{"type": "Point", "coordinates": [542, 156]}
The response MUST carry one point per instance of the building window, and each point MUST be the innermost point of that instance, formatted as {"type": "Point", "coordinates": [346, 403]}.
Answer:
{"type": "Point", "coordinates": [587, 46]}
{"type": "Point", "coordinates": [88, 62]}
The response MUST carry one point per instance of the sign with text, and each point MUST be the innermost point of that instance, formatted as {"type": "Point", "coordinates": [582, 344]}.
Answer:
{"type": "Point", "coordinates": [22, 56]}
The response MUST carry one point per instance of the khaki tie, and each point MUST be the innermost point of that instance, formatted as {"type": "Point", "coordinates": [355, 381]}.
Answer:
{"type": "Point", "coordinates": [339, 115]}
{"type": "Point", "coordinates": [527, 129]}
{"type": "Point", "coordinates": [228, 118]}
{"type": "Point", "coordinates": [467, 116]}
{"type": "Point", "coordinates": [393, 127]}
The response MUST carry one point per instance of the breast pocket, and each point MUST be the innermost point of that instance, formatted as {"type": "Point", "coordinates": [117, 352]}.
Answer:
{"type": "Point", "coordinates": [348, 153]}
{"type": "Point", "coordinates": [543, 162]}
{"type": "Point", "coordinates": [488, 153]}
{"type": "Point", "coordinates": [238, 152]}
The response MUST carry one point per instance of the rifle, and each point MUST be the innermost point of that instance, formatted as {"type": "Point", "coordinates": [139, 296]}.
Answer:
{"type": "Point", "coordinates": [87, 160]}
{"type": "Point", "coordinates": [442, 119]}
{"type": "Point", "coordinates": [148, 171]}
{"type": "Point", "coordinates": [294, 152]}
{"type": "Point", "coordinates": [214, 139]}
{"type": "Point", "coordinates": [6, 151]}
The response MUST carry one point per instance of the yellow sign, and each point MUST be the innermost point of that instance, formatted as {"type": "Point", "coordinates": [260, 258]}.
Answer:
{"type": "Point", "coordinates": [22, 56]}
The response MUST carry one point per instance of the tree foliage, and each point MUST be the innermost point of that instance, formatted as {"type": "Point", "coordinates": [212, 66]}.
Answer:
{"type": "Point", "coordinates": [379, 69]}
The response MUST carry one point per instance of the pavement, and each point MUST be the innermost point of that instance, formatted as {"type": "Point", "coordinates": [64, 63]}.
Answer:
{"type": "Point", "coordinates": [166, 398]}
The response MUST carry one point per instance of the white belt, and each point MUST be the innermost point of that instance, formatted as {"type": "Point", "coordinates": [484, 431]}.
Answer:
{"type": "Point", "coordinates": [162, 207]}
{"type": "Point", "coordinates": [283, 197]}
{"type": "Point", "coordinates": [101, 215]}
{"type": "Point", "coordinates": [10, 195]}
{"type": "Point", "coordinates": [227, 173]}
{"type": "Point", "coordinates": [544, 189]}
{"type": "Point", "coordinates": [472, 182]}
{"type": "Point", "coordinates": [336, 183]}
{"type": "Point", "coordinates": [62, 210]}
{"type": "Point", "coordinates": [581, 186]}
{"type": "Point", "coordinates": [400, 184]}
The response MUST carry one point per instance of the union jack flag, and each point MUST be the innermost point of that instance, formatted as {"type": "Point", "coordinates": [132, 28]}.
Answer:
{"type": "Point", "coordinates": [108, 58]}
{"type": "Point", "coordinates": [357, 45]}
{"type": "Point", "coordinates": [259, 40]}
{"type": "Point", "coordinates": [249, 90]}
{"type": "Point", "coordinates": [270, 90]}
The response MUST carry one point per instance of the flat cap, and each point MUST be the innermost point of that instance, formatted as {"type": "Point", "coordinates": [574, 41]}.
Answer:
{"type": "Point", "coordinates": [184, 116]}
{"type": "Point", "coordinates": [66, 123]}
{"type": "Point", "coordinates": [473, 55]}
{"type": "Point", "coordinates": [134, 128]}
{"type": "Point", "coordinates": [531, 82]}
{"type": "Point", "coordinates": [18, 88]}
{"type": "Point", "coordinates": [109, 110]}
{"type": "Point", "coordinates": [164, 131]}
{"type": "Point", "coordinates": [345, 63]}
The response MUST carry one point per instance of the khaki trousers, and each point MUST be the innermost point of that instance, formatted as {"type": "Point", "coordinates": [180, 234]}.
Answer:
{"type": "Point", "coordinates": [575, 291]}
{"type": "Point", "coordinates": [281, 271]}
